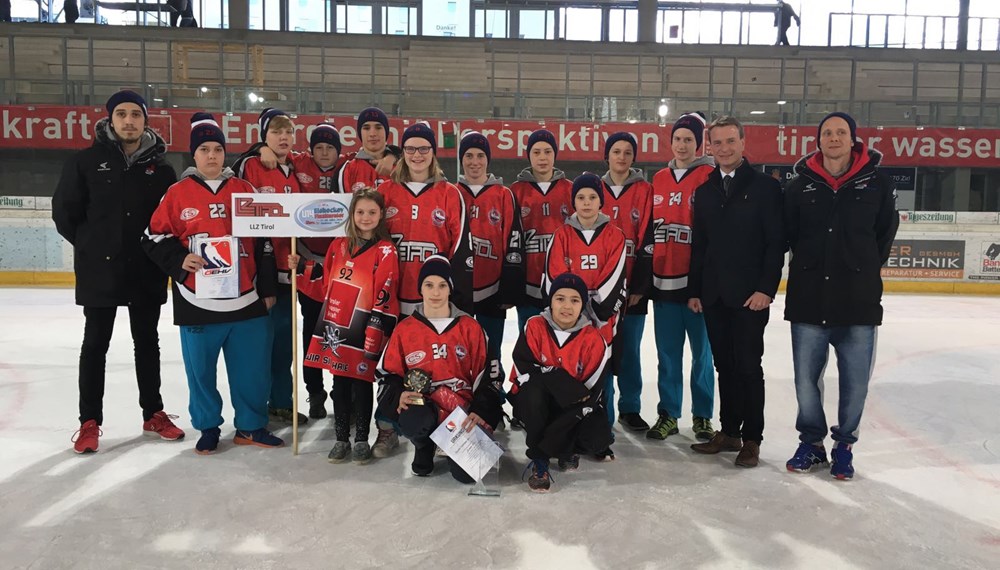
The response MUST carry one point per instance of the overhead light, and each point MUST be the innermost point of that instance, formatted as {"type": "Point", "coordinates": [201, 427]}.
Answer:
{"type": "Point", "coordinates": [662, 110]}
{"type": "Point", "coordinates": [157, 100]}
{"type": "Point", "coordinates": [204, 89]}
{"type": "Point", "coordinates": [757, 112]}
{"type": "Point", "coordinates": [253, 97]}
{"type": "Point", "coordinates": [632, 121]}
{"type": "Point", "coordinates": [782, 102]}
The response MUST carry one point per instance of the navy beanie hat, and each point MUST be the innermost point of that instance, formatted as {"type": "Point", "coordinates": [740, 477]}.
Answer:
{"type": "Point", "coordinates": [694, 122]}
{"type": "Point", "coordinates": [542, 135]}
{"type": "Point", "coordinates": [569, 281]}
{"type": "Point", "coordinates": [373, 115]}
{"type": "Point", "coordinates": [325, 133]}
{"type": "Point", "coordinates": [265, 118]}
{"type": "Point", "coordinates": [126, 96]}
{"type": "Point", "coordinates": [589, 180]}
{"type": "Point", "coordinates": [474, 140]}
{"type": "Point", "coordinates": [204, 129]}
{"type": "Point", "coordinates": [617, 137]}
{"type": "Point", "coordinates": [435, 265]}
{"type": "Point", "coordinates": [850, 123]}
{"type": "Point", "coordinates": [422, 131]}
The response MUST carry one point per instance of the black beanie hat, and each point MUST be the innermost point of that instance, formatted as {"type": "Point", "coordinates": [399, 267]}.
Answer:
{"type": "Point", "coordinates": [265, 118]}
{"type": "Point", "coordinates": [205, 129]}
{"type": "Point", "coordinates": [694, 122]}
{"type": "Point", "coordinates": [126, 96]}
{"type": "Point", "coordinates": [850, 124]}
{"type": "Point", "coordinates": [618, 137]}
{"type": "Point", "coordinates": [325, 133]}
{"type": "Point", "coordinates": [589, 180]}
{"type": "Point", "coordinates": [435, 265]}
{"type": "Point", "coordinates": [569, 281]}
{"type": "Point", "coordinates": [542, 135]}
{"type": "Point", "coordinates": [373, 115]}
{"type": "Point", "coordinates": [474, 140]}
{"type": "Point", "coordinates": [420, 130]}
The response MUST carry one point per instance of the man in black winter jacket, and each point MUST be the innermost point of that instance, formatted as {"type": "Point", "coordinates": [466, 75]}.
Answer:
{"type": "Point", "coordinates": [840, 216]}
{"type": "Point", "coordinates": [105, 198]}
{"type": "Point", "coordinates": [737, 252]}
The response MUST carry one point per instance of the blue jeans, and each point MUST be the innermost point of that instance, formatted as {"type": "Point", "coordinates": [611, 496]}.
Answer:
{"type": "Point", "coordinates": [671, 321]}
{"type": "Point", "coordinates": [855, 348]}
{"type": "Point", "coordinates": [630, 373]}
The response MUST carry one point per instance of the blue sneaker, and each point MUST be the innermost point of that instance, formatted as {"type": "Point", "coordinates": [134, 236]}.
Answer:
{"type": "Point", "coordinates": [843, 462]}
{"type": "Point", "coordinates": [540, 479]}
{"type": "Point", "coordinates": [259, 437]}
{"type": "Point", "coordinates": [208, 442]}
{"type": "Point", "coordinates": [806, 458]}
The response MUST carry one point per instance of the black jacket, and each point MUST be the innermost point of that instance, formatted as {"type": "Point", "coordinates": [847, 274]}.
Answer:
{"type": "Point", "coordinates": [102, 207]}
{"type": "Point", "coordinates": [839, 241]}
{"type": "Point", "coordinates": [738, 245]}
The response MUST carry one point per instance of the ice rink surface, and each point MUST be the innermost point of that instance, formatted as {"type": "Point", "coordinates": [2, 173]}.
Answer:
{"type": "Point", "coordinates": [926, 494]}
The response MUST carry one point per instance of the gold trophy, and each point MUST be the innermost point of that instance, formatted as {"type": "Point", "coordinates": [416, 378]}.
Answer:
{"type": "Point", "coordinates": [418, 380]}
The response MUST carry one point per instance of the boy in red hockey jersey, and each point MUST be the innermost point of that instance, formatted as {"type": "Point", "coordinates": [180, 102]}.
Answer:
{"type": "Point", "coordinates": [628, 200]}
{"type": "Point", "coordinates": [450, 347]}
{"type": "Point", "coordinates": [193, 210]}
{"type": "Point", "coordinates": [560, 363]}
{"type": "Point", "coordinates": [278, 133]}
{"type": "Point", "coordinates": [426, 215]}
{"type": "Point", "coordinates": [544, 195]}
{"type": "Point", "coordinates": [359, 275]}
{"type": "Point", "coordinates": [374, 163]}
{"type": "Point", "coordinates": [495, 223]}
{"type": "Point", "coordinates": [673, 196]}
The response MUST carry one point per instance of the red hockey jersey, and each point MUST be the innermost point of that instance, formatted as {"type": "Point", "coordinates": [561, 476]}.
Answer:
{"type": "Point", "coordinates": [429, 220]}
{"type": "Point", "coordinates": [276, 181]}
{"type": "Point", "coordinates": [357, 173]}
{"type": "Point", "coordinates": [597, 256]}
{"type": "Point", "coordinates": [673, 216]}
{"type": "Point", "coordinates": [497, 246]}
{"type": "Point", "coordinates": [190, 209]}
{"type": "Point", "coordinates": [542, 213]}
{"type": "Point", "coordinates": [452, 350]}
{"type": "Point", "coordinates": [543, 348]}
{"type": "Point", "coordinates": [360, 308]}
{"type": "Point", "coordinates": [630, 208]}
{"type": "Point", "coordinates": [313, 180]}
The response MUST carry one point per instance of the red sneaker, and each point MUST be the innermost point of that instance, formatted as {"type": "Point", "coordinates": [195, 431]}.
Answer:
{"type": "Point", "coordinates": [161, 426]}
{"type": "Point", "coordinates": [85, 438]}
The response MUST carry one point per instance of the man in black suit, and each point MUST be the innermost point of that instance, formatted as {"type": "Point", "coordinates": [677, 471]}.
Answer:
{"type": "Point", "coordinates": [737, 252]}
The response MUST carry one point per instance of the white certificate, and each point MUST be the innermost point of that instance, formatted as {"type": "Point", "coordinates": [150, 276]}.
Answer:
{"type": "Point", "coordinates": [474, 451]}
{"type": "Point", "coordinates": [219, 278]}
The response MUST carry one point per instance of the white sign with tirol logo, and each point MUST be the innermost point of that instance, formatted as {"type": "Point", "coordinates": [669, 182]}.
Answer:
{"type": "Point", "coordinates": [290, 215]}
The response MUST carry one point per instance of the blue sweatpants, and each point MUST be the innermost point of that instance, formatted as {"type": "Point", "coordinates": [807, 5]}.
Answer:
{"type": "Point", "coordinates": [630, 375]}
{"type": "Point", "coordinates": [525, 312]}
{"type": "Point", "coordinates": [244, 346]}
{"type": "Point", "coordinates": [671, 323]}
{"type": "Point", "coordinates": [280, 317]}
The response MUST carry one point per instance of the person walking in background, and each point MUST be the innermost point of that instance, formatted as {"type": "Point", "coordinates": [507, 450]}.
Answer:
{"type": "Point", "coordinates": [840, 219]}
{"type": "Point", "coordinates": [783, 15]}
{"type": "Point", "coordinates": [102, 205]}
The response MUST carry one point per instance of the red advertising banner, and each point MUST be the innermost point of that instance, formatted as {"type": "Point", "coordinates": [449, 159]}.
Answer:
{"type": "Point", "coordinates": [58, 127]}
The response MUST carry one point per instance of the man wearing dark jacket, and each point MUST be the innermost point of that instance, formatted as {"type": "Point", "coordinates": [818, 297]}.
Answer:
{"type": "Point", "coordinates": [737, 252]}
{"type": "Point", "coordinates": [105, 198]}
{"type": "Point", "coordinates": [840, 217]}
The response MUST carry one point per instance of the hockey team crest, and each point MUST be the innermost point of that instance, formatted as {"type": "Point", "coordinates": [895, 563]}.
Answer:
{"type": "Point", "coordinates": [390, 211]}
{"type": "Point", "coordinates": [460, 351]}
{"type": "Point", "coordinates": [495, 217]}
{"type": "Point", "coordinates": [565, 210]}
{"type": "Point", "coordinates": [438, 217]}
{"type": "Point", "coordinates": [321, 215]}
{"type": "Point", "coordinates": [265, 190]}
{"type": "Point", "coordinates": [303, 177]}
{"type": "Point", "coordinates": [218, 256]}
{"type": "Point", "coordinates": [525, 211]}
{"type": "Point", "coordinates": [415, 357]}
{"type": "Point", "coordinates": [657, 199]}
{"type": "Point", "coordinates": [635, 215]}
{"type": "Point", "coordinates": [358, 186]}
{"type": "Point", "coordinates": [188, 214]}
{"type": "Point", "coordinates": [362, 368]}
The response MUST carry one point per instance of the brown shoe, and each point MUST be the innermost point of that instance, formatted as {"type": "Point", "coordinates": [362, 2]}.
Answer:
{"type": "Point", "coordinates": [719, 442]}
{"type": "Point", "coordinates": [750, 454]}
